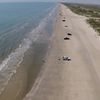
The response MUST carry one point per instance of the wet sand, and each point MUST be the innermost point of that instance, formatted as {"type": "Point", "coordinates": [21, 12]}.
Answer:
{"type": "Point", "coordinates": [22, 81]}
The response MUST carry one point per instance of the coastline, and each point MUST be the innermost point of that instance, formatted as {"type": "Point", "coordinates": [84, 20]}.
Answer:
{"type": "Point", "coordinates": [57, 79]}
{"type": "Point", "coordinates": [25, 75]}
{"type": "Point", "coordinates": [54, 52]}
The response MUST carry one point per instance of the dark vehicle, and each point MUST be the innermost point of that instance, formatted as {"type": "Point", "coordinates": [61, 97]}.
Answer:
{"type": "Point", "coordinates": [66, 38]}
{"type": "Point", "coordinates": [69, 34]}
{"type": "Point", "coordinates": [63, 20]}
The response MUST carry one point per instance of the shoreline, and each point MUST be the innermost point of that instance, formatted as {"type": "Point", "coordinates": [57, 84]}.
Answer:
{"type": "Point", "coordinates": [51, 52]}
{"type": "Point", "coordinates": [57, 79]}
{"type": "Point", "coordinates": [22, 81]}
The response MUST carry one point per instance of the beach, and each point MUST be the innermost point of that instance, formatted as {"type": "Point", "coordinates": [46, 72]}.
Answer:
{"type": "Point", "coordinates": [62, 62]}
{"type": "Point", "coordinates": [78, 78]}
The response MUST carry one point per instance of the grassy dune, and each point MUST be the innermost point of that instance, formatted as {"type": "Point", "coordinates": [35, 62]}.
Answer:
{"type": "Point", "coordinates": [95, 23]}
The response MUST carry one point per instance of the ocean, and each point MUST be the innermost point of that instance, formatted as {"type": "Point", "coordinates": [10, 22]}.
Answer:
{"type": "Point", "coordinates": [25, 29]}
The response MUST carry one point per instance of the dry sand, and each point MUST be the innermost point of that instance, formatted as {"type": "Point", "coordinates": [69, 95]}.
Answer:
{"type": "Point", "coordinates": [78, 79]}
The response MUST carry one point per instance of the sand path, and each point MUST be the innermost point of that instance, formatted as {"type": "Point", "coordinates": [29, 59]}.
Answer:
{"type": "Point", "coordinates": [78, 79]}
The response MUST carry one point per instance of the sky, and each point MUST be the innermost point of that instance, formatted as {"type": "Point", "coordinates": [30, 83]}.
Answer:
{"type": "Point", "coordinates": [74, 1]}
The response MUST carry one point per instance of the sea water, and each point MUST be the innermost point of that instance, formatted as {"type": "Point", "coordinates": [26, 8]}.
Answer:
{"type": "Point", "coordinates": [21, 24]}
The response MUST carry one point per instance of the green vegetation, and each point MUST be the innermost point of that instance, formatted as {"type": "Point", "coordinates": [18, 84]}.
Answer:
{"type": "Point", "coordinates": [91, 12]}
{"type": "Point", "coordinates": [95, 23]}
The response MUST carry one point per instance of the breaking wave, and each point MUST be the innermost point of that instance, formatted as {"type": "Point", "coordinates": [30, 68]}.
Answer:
{"type": "Point", "coordinates": [9, 66]}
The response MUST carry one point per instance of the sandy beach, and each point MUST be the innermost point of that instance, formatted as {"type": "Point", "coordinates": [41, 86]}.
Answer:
{"type": "Point", "coordinates": [45, 75]}
{"type": "Point", "coordinates": [79, 78]}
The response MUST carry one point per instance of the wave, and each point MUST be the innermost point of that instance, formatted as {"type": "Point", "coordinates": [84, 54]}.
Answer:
{"type": "Point", "coordinates": [9, 66]}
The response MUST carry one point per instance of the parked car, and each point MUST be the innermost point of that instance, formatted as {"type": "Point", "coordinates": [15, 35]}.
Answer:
{"type": "Point", "coordinates": [66, 38]}
{"type": "Point", "coordinates": [65, 58]}
{"type": "Point", "coordinates": [69, 34]}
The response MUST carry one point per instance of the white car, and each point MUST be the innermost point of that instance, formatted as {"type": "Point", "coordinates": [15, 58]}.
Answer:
{"type": "Point", "coordinates": [65, 58]}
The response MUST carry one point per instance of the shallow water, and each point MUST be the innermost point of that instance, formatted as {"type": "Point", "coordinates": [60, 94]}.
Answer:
{"type": "Point", "coordinates": [22, 64]}
{"type": "Point", "coordinates": [17, 20]}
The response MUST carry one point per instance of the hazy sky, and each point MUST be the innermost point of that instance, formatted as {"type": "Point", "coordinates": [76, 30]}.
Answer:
{"type": "Point", "coordinates": [79, 1]}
